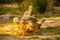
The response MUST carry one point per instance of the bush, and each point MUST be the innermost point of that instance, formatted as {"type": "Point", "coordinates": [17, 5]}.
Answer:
{"type": "Point", "coordinates": [40, 5]}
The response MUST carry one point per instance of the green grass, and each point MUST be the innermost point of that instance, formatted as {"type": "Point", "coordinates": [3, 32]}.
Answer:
{"type": "Point", "coordinates": [34, 37]}
{"type": "Point", "coordinates": [49, 16]}
{"type": "Point", "coordinates": [50, 31]}
{"type": "Point", "coordinates": [16, 11]}
{"type": "Point", "coordinates": [4, 9]}
{"type": "Point", "coordinates": [44, 31]}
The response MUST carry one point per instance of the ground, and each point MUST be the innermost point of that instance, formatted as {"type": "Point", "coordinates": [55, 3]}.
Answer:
{"type": "Point", "coordinates": [48, 33]}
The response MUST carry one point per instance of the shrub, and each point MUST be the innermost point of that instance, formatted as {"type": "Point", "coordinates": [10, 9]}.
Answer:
{"type": "Point", "coordinates": [40, 5]}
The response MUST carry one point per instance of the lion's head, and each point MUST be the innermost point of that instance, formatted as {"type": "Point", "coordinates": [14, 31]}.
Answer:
{"type": "Point", "coordinates": [28, 26]}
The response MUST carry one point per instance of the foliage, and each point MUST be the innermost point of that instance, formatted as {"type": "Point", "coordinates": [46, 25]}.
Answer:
{"type": "Point", "coordinates": [40, 5]}
{"type": "Point", "coordinates": [18, 1]}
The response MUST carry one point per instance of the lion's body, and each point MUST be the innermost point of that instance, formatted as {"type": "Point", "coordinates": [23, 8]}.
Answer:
{"type": "Point", "coordinates": [28, 23]}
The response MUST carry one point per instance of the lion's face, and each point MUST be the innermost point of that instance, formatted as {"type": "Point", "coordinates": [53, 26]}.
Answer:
{"type": "Point", "coordinates": [25, 26]}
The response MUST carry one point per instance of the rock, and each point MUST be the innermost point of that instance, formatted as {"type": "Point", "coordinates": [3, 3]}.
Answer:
{"type": "Point", "coordinates": [51, 22]}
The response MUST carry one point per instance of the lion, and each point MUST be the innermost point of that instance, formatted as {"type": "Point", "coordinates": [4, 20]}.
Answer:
{"type": "Point", "coordinates": [27, 24]}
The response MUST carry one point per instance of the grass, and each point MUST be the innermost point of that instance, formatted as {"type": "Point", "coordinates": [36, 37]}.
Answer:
{"type": "Point", "coordinates": [50, 16]}
{"type": "Point", "coordinates": [4, 9]}
{"type": "Point", "coordinates": [50, 31]}
{"type": "Point", "coordinates": [44, 31]}
{"type": "Point", "coordinates": [56, 38]}
{"type": "Point", "coordinates": [16, 11]}
{"type": "Point", "coordinates": [8, 37]}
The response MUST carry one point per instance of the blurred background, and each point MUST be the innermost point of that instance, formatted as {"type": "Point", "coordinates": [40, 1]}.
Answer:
{"type": "Point", "coordinates": [41, 8]}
